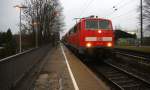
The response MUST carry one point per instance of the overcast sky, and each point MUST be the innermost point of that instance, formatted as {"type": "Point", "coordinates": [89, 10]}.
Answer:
{"type": "Point", "coordinates": [9, 16]}
{"type": "Point", "coordinates": [125, 16]}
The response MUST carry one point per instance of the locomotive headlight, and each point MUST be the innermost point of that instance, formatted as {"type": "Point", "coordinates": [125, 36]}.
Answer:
{"type": "Point", "coordinates": [88, 45]}
{"type": "Point", "coordinates": [109, 44]}
{"type": "Point", "coordinates": [99, 31]}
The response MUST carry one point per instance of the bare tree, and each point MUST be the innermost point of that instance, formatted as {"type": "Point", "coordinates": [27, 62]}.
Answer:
{"type": "Point", "coordinates": [146, 14]}
{"type": "Point", "coordinates": [44, 16]}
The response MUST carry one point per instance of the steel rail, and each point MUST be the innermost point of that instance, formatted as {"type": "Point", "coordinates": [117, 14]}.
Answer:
{"type": "Point", "coordinates": [120, 78]}
{"type": "Point", "coordinates": [135, 76]}
{"type": "Point", "coordinates": [134, 56]}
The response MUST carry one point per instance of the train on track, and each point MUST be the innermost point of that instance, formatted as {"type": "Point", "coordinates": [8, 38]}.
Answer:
{"type": "Point", "coordinates": [91, 36]}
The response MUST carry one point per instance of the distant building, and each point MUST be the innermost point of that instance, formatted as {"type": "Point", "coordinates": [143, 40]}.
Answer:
{"type": "Point", "coordinates": [124, 38]}
{"type": "Point", "coordinates": [127, 41]}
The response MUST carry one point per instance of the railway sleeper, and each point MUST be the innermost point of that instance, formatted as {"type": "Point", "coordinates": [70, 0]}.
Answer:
{"type": "Point", "coordinates": [111, 72]}
{"type": "Point", "coordinates": [114, 75]}
{"type": "Point", "coordinates": [131, 85]}
{"type": "Point", "coordinates": [118, 78]}
{"type": "Point", "coordinates": [128, 82]}
{"type": "Point", "coordinates": [125, 81]}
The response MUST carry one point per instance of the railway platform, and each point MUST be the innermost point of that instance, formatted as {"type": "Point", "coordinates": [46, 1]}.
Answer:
{"type": "Point", "coordinates": [64, 71]}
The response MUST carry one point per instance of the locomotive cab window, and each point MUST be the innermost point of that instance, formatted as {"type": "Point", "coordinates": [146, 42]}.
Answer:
{"type": "Point", "coordinates": [104, 24]}
{"type": "Point", "coordinates": [91, 24]}
{"type": "Point", "coordinates": [97, 24]}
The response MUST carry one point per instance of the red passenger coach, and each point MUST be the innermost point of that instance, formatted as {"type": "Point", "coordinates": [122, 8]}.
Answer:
{"type": "Point", "coordinates": [91, 35]}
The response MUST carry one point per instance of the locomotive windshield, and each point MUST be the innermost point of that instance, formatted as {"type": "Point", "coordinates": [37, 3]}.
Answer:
{"type": "Point", "coordinates": [91, 24]}
{"type": "Point", "coordinates": [97, 24]}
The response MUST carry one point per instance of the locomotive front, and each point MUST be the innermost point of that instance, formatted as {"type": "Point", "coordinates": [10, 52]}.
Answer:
{"type": "Point", "coordinates": [96, 34]}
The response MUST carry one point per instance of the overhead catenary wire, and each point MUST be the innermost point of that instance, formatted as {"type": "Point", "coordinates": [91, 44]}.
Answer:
{"type": "Point", "coordinates": [118, 8]}
{"type": "Point", "coordinates": [118, 3]}
{"type": "Point", "coordinates": [128, 16]}
{"type": "Point", "coordinates": [110, 9]}
{"type": "Point", "coordinates": [128, 21]}
{"type": "Point", "coordinates": [124, 4]}
{"type": "Point", "coordinates": [114, 7]}
{"type": "Point", "coordinates": [124, 14]}
{"type": "Point", "coordinates": [86, 7]}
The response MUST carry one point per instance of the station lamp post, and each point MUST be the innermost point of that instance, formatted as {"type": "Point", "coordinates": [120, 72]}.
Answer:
{"type": "Point", "coordinates": [20, 7]}
{"type": "Point", "coordinates": [36, 34]}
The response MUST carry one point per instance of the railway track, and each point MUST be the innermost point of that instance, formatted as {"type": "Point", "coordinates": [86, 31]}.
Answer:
{"type": "Point", "coordinates": [124, 73]}
{"type": "Point", "coordinates": [134, 54]}
{"type": "Point", "coordinates": [120, 78]}
{"type": "Point", "coordinates": [133, 63]}
{"type": "Point", "coordinates": [140, 58]}
{"type": "Point", "coordinates": [121, 73]}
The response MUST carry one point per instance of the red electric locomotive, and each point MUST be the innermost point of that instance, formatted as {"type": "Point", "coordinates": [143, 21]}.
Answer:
{"type": "Point", "coordinates": [91, 36]}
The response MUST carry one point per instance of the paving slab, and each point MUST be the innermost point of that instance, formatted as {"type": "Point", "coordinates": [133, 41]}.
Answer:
{"type": "Point", "coordinates": [55, 74]}
{"type": "Point", "coordinates": [85, 78]}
